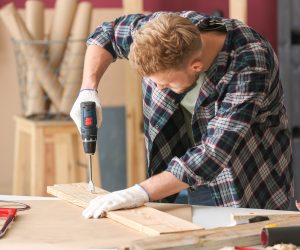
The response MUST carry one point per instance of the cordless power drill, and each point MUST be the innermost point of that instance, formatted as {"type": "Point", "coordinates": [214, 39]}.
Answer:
{"type": "Point", "coordinates": [89, 135]}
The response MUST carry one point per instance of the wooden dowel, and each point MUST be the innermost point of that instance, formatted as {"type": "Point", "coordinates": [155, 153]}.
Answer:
{"type": "Point", "coordinates": [18, 30]}
{"type": "Point", "coordinates": [72, 64]}
{"type": "Point", "coordinates": [35, 97]}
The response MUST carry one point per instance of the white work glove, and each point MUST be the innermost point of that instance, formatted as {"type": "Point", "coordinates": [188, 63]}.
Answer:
{"type": "Point", "coordinates": [86, 95]}
{"type": "Point", "coordinates": [131, 197]}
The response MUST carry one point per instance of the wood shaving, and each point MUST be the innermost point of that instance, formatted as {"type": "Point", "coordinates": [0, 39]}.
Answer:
{"type": "Point", "coordinates": [282, 247]}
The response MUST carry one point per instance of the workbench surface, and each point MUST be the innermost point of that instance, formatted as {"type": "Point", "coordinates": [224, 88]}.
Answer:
{"type": "Point", "coordinates": [55, 224]}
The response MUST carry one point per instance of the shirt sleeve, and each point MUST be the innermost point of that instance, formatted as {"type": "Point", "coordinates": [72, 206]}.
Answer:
{"type": "Point", "coordinates": [245, 94]}
{"type": "Point", "coordinates": [116, 36]}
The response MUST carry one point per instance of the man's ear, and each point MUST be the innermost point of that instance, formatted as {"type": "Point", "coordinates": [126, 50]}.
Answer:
{"type": "Point", "coordinates": [196, 66]}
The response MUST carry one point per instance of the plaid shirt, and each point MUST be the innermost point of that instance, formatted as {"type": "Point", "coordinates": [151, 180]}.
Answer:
{"type": "Point", "coordinates": [242, 148]}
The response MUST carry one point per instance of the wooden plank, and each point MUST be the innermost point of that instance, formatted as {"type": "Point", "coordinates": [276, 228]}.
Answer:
{"type": "Point", "coordinates": [242, 236]}
{"type": "Point", "coordinates": [136, 161]}
{"type": "Point", "coordinates": [37, 179]}
{"type": "Point", "coordinates": [143, 219]}
{"type": "Point", "coordinates": [244, 218]}
{"type": "Point", "coordinates": [62, 166]}
{"type": "Point", "coordinates": [55, 225]}
{"type": "Point", "coordinates": [21, 173]}
{"type": "Point", "coordinates": [238, 10]}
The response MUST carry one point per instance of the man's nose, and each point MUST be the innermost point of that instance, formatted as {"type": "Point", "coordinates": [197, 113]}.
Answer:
{"type": "Point", "coordinates": [160, 86]}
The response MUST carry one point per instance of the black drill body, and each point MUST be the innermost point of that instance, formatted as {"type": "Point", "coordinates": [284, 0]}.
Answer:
{"type": "Point", "coordinates": [88, 126]}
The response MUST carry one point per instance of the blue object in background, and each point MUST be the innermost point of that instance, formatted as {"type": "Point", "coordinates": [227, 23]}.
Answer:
{"type": "Point", "coordinates": [112, 147]}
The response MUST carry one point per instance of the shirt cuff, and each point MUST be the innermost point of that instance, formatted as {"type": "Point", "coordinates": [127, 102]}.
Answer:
{"type": "Point", "coordinates": [183, 173]}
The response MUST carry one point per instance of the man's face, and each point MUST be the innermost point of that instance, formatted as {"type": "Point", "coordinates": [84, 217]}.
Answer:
{"type": "Point", "coordinates": [179, 81]}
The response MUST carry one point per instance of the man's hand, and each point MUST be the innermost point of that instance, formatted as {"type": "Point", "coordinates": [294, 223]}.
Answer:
{"type": "Point", "coordinates": [86, 95]}
{"type": "Point", "coordinates": [131, 197]}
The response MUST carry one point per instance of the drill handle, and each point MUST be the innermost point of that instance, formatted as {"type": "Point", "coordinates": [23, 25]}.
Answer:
{"type": "Point", "coordinates": [89, 126]}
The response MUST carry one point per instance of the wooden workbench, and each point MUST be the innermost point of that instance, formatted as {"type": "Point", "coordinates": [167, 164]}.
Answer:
{"type": "Point", "coordinates": [55, 224]}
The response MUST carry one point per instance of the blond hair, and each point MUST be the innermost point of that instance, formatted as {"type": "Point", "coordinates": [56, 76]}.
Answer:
{"type": "Point", "coordinates": [164, 43]}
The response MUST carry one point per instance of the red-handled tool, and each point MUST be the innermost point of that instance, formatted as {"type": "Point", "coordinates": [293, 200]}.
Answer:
{"type": "Point", "coordinates": [10, 215]}
{"type": "Point", "coordinates": [8, 210]}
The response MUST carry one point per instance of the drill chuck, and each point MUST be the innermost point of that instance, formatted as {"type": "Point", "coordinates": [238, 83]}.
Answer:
{"type": "Point", "coordinates": [88, 126]}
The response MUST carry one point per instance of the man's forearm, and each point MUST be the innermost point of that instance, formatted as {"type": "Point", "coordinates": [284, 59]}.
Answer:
{"type": "Point", "coordinates": [163, 185]}
{"type": "Point", "coordinates": [97, 60]}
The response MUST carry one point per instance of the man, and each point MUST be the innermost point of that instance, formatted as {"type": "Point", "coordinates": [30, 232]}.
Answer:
{"type": "Point", "coordinates": [214, 118]}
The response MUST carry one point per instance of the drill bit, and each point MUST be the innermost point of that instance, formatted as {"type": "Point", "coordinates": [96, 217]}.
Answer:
{"type": "Point", "coordinates": [91, 186]}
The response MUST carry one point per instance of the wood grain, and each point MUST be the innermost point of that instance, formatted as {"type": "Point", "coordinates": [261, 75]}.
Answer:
{"type": "Point", "coordinates": [55, 225]}
{"type": "Point", "coordinates": [136, 158]}
{"type": "Point", "coordinates": [241, 235]}
{"type": "Point", "coordinates": [243, 218]}
{"type": "Point", "coordinates": [143, 219]}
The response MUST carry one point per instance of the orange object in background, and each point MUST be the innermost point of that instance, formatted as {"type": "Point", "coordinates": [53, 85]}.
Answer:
{"type": "Point", "coordinates": [298, 205]}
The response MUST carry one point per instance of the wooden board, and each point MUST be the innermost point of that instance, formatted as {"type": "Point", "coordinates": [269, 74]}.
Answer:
{"type": "Point", "coordinates": [144, 219]}
{"type": "Point", "coordinates": [136, 159]}
{"type": "Point", "coordinates": [57, 225]}
{"type": "Point", "coordinates": [242, 236]}
{"type": "Point", "coordinates": [244, 218]}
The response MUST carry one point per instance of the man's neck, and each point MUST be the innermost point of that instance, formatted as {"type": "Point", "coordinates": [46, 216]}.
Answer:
{"type": "Point", "coordinates": [212, 44]}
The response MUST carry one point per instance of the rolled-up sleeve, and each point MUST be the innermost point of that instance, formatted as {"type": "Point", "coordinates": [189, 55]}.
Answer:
{"type": "Point", "coordinates": [245, 94]}
{"type": "Point", "coordinates": [116, 36]}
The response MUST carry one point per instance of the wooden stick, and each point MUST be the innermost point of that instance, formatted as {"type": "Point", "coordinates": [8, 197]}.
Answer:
{"type": "Point", "coordinates": [136, 163]}
{"type": "Point", "coordinates": [18, 30]}
{"type": "Point", "coordinates": [72, 64]}
{"type": "Point", "coordinates": [132, 6]}
{"type": "Point", "coordinates": [34, 13]}
{"type": "Point", "coordinates": [36, 101]}
{"type": "Point", "coordinates": [238, 10]}
{"type": "Point", "coordinates": [62, 21]}
{"type": "Point", "coordinates": [143, 219]}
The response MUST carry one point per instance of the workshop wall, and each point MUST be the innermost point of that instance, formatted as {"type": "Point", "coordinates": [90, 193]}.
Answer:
{"type": "Point", "coordinates": [261, 16]}
{"type": "Point", "coordinates": [111, 95]}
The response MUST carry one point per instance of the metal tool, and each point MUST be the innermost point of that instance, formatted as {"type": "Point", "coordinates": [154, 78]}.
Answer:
{"type": "Point", "coordinates": [8, 210]}
{"type": "Point", "coordinates": [89, 135]}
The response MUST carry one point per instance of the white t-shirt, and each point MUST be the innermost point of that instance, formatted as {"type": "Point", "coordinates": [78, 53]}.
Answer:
{"type": "Point", "coordinates": [190, 99]}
